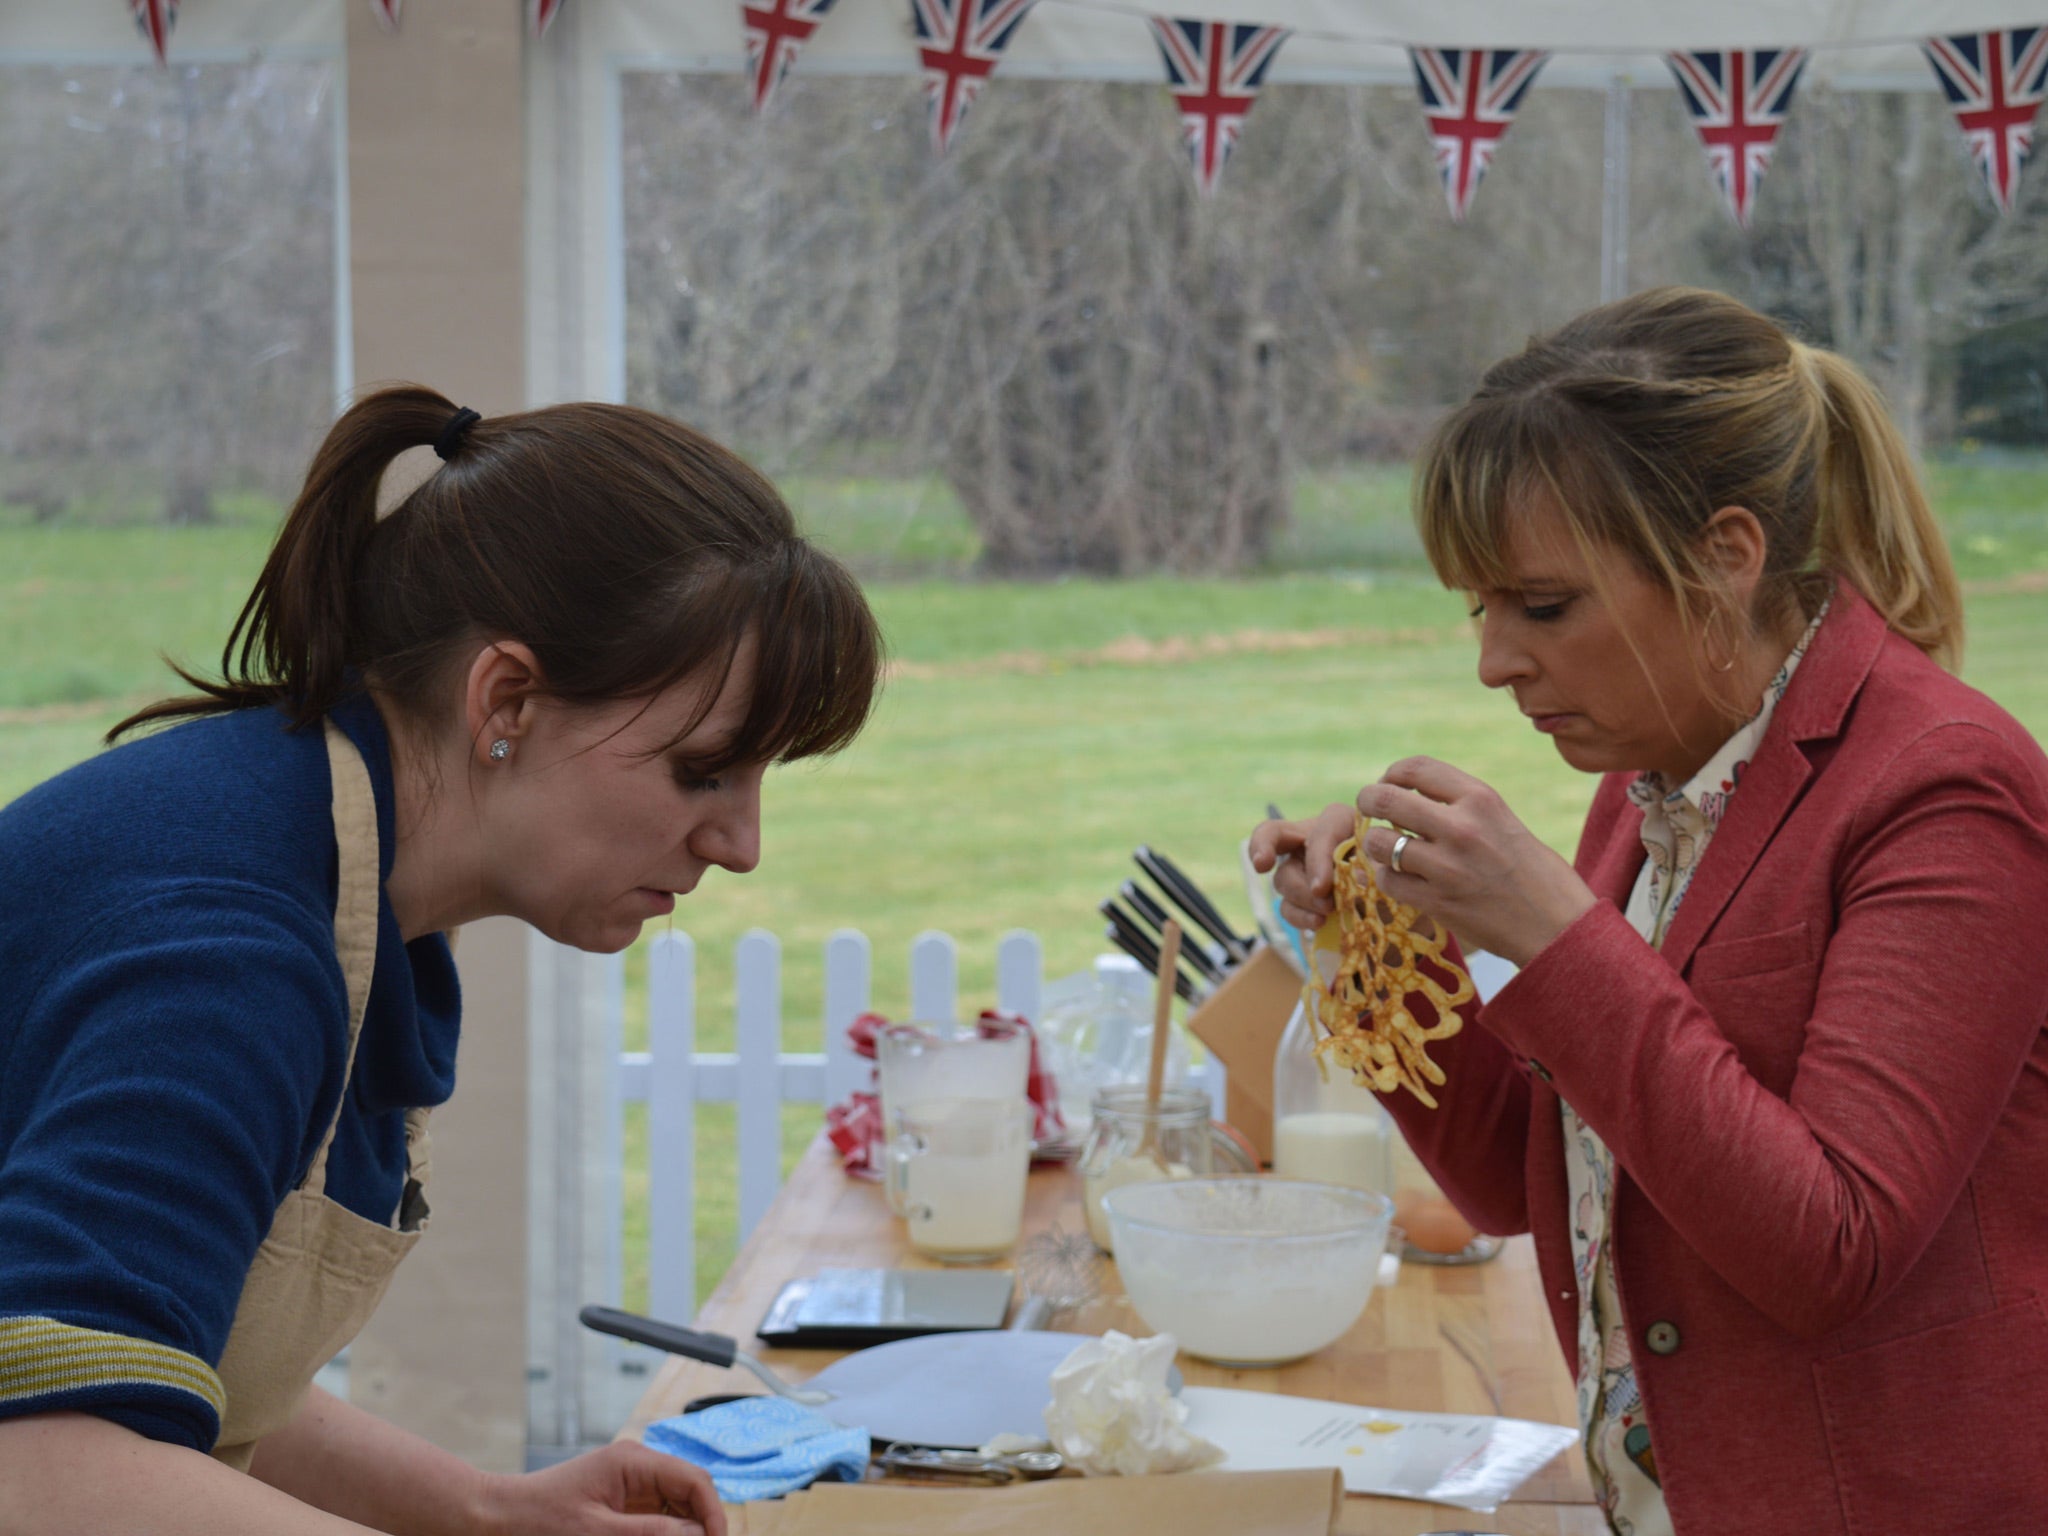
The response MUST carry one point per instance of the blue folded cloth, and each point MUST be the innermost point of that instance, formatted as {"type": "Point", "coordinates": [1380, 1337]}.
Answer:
{"type": "Point", "coordinates": [762, 1447]}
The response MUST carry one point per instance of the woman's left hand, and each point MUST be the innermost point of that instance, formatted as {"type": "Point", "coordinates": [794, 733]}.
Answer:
{"type": "Point", "coordinates": [1469, 862]}
{"type": "Point", "coordinates": [618, 1490]}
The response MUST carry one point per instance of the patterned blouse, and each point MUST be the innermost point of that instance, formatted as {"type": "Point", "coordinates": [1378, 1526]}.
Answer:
{"type": "Point", "coordinates": [1677, 826]}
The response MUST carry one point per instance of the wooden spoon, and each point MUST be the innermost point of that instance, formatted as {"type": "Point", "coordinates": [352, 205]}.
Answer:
{"type": "Point", "coordinates": [1162, 1025]}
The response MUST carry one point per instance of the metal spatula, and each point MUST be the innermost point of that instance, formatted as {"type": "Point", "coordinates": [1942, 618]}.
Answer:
{"type": "Point", "coordinates": [711, 1348]}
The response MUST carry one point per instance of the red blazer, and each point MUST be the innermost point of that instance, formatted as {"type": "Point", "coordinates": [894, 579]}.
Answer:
{"type": "Point", "coordinates": [1828, 1099]}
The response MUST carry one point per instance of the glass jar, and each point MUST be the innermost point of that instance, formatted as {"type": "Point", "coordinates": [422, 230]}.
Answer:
{"type": "Point", "coordinates": [1111, 1158]}
{"type": "Point", "coordinates": [1327, 1127]}
{"type": "Point", "coordinates": [1097, 1033]}
{"type": "Point", "coordinates": [924, 1063]}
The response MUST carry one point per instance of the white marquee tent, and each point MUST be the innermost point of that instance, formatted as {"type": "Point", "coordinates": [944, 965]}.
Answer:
{"type": "Point", "coordinates": [480, 247]}
{"type": "Point", "coordinates": [571, 84]}
{"type": "Point", "coordinates": [1863, 41]}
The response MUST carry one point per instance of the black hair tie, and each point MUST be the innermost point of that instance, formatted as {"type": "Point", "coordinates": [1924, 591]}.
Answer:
{"type": "Point", "coordinates": [452, 434]}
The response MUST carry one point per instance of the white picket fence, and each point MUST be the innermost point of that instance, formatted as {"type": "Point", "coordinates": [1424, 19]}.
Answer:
{"type": "Point", "coordinates": [581, 1385]}
{"type": "Point", "coordinates": [672, 1077]}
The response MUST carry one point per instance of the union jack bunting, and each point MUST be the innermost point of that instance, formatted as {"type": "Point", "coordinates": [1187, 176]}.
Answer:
{"type": "Point", "coordinates": [542, 13]}
{"type": "Point", "coordinates": [1470, 95]}
{"type": "Point", "coordinates": [1214, 69]}
{"type": "Point", "coordinates": [960, 42]}
{"type": "Point", "coordinates": [1738, 99]}
{"type": "Point", "coordinates": [776, 29]}
{"type": "Point", "coordinates": [154, 20]}
{"type": "Point", "coordinates": [1995, 82]}
{"type": "Point", "coordinates": [387, 12]}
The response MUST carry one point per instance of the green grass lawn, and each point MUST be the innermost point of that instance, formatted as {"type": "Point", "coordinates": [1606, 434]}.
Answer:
{"type": "Point", "coordinates": [1027, 744]}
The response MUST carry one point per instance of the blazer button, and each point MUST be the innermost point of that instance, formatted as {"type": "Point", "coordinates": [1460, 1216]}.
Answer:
{"type": "Point", "coordinates": [1663, 1338]}
{"type": "Point", "coordinates": [1537, 1069]}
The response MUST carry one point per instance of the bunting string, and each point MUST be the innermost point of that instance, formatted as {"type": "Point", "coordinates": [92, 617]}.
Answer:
{"type": "Point", "coordinates": [1737, 99]}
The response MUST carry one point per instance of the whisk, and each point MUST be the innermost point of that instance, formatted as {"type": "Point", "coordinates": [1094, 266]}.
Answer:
{"type": "Point", "coordinates": [1060, 1271]}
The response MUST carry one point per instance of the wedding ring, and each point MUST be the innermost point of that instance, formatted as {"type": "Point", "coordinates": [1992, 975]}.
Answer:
{"type": "Point", "coordinates": [1400, 844]}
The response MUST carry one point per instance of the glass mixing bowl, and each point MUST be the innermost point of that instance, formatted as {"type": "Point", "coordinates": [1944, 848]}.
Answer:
{"type": "Point", "coordinates": [1248, 1272]}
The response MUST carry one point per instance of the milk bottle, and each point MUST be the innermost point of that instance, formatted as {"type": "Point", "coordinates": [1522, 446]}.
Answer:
{"type": "Point", "coordinates": [1327, 1128]}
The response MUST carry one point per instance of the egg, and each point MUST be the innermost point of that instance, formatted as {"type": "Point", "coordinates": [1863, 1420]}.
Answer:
{"type": "Point", "coordinates": [1432, 1222]}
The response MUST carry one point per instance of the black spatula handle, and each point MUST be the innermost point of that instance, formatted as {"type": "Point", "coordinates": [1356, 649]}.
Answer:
{"type": "Point", "coordinates": [711, 1348]}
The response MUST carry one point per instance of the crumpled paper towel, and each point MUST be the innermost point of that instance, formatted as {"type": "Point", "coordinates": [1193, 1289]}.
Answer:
{"type": "Point", "coordinates": [1111, 1411]}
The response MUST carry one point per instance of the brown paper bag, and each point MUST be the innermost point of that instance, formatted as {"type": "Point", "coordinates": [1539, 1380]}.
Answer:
{"type": "Point", "coordinates": [1295, 1503]}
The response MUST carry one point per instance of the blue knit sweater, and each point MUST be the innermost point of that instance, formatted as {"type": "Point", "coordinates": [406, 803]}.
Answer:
{"type": "Point", "coordinates": [173, 1034]}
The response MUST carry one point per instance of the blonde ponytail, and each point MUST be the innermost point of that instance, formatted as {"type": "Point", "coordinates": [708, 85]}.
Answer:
{"type": "Point", "coordinates": [1639, 420]}
{"type": "Point", "coordinates": [1873, 525]}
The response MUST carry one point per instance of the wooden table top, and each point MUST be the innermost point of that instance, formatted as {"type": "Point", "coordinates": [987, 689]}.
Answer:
{"type": "Point", "coordinates": [1471, 1339]}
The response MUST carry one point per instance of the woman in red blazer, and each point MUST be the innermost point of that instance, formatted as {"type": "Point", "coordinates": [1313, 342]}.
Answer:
{"type": "Point", "coordinates": [1771, 1087]}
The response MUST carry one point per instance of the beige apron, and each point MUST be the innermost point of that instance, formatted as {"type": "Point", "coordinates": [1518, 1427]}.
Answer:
{"type": "Point", "coordinates": [323, 1269]}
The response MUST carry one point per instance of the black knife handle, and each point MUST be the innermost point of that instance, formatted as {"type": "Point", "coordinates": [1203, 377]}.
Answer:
{"type": "Point", "coordinates": [1141, 899]}
{"type": "Point", "coordinates": [1147, 951]}
{"type": "Point", "coordinates": [1139, 946]}
{"type": "Point", "coordinates": [1194, 954]}
{"type": "Point", "coordinates": [1123, 920]}
{"type": "Point", "coordinates": [1147, 955]}
{"type": "Point", "coordinates": [1198, 898]}
{"type": "Point", "coordinates": [711, 1348]}
{"type": "Point", "coordinates": [1186, 895]}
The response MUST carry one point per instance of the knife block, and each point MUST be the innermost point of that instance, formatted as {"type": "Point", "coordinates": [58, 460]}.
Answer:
{"type": "Point", "coordinates": [1242, 1022]}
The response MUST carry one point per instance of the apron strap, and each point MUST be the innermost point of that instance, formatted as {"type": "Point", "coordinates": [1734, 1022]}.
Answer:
{"type": "Point", "coordinates": [355, 910]}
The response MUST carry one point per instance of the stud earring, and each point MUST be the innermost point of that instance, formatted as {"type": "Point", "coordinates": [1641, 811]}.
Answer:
{"type": "Point", "coordinates": [500, 750]}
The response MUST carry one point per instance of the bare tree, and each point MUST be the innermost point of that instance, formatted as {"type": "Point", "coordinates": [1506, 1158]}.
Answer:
{"type": "Point", "coordinates": [1109, 401]}
{"type": "Point", "coordinates": [764, 266]}
{"type": "Point", "coordinates": [167, 304]}
{"type": "Point", "coordinates": [1115, 373]}
{"type": "Point", "coordinates": [1118, 375]}
{"type": "Point", "coordinates": [1905, 256]}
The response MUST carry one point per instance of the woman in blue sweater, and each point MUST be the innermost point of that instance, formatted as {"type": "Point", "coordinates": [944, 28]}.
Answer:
{"type": "Point", "coordinates": [532, 666]}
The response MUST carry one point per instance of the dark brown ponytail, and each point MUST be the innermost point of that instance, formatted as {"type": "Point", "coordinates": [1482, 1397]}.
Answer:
{"type": "Point", "coordinates": [626, 549]}
{"type": "Point", "coordinates": [293, 641]}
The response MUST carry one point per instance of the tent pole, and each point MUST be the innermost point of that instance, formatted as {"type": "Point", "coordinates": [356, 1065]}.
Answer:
{"type": "Point", "coordinates": [1614, 195]}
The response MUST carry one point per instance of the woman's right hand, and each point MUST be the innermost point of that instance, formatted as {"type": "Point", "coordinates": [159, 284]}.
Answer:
{"type": "Point", "coordinates": [619, 1489]}
{"type": "Point", "coordinates": [1302, 856]}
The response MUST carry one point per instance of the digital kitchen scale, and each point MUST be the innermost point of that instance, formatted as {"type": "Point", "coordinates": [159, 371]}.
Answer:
{"type": "Point", "coordinates": [853, 1308]}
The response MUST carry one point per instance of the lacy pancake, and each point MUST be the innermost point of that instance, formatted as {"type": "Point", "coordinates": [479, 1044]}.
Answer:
{"type": "Point", "coordinates": [1386, 954]}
